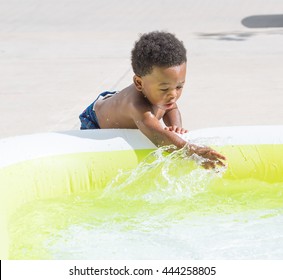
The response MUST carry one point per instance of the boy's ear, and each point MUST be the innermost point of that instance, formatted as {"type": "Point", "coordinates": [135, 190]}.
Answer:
{"type": "Point", "coordinates": [138, 82]}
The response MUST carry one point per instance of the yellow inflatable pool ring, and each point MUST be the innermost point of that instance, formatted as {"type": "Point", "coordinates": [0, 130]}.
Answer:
{"type": "Point", "coordinates": [49, 165]}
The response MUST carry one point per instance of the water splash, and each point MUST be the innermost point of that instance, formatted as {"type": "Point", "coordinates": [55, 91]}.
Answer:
{"type": "Point", "coordinates": [163, 176]}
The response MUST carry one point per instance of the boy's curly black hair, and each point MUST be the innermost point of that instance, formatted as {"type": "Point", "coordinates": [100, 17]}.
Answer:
{"type": "Point", "coordinates": [157, 48]}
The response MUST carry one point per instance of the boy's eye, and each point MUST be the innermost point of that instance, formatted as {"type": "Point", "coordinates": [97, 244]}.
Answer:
{"type": "Point", "coordinates": [164, 89]}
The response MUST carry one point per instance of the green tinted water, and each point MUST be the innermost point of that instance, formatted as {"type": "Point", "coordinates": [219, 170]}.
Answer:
{"type": "Point", "coordinates": [166, 208]}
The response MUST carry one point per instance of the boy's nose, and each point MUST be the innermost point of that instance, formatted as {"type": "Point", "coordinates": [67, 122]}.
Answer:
{"type": "Point", "coordinates": [173, 94]}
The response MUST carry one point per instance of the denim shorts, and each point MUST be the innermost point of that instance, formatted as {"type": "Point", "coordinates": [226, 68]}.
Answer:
{"type": "Point", "coordinates": [88, 117]}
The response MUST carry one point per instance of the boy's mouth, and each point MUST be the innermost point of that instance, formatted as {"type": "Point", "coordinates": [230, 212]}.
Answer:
{"type": "Point", "coordinates": [169, 105]}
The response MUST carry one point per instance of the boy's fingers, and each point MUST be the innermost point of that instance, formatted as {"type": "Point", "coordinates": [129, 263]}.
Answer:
{"type": "Point", "coordinates": [218, 155]}
{"type": "Point", "coordinates": [219, 162]}
{"type": "Point", "coordinates": [221, 156]}
{"type": "Point", "coordinates": [213, 164]}
{"type": "Point", "coordinates": [209, 165]}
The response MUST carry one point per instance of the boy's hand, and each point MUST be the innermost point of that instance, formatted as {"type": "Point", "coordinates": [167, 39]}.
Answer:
{"type": "Point", "coordinates": [211, 157]}
{"type": "Point", "coordinates": [176, 129]}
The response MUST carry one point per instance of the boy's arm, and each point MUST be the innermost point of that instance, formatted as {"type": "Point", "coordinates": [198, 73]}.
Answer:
{"type": "Point", "coordinates": [173, 117]}
{"type": "Point", "coordinates": [173, 120]}
{"type": "Point", "coordinates": [151, 127]}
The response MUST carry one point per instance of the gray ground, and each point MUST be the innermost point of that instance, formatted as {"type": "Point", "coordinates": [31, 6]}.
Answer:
{"type": "Point", "coordinates": [57, 55]}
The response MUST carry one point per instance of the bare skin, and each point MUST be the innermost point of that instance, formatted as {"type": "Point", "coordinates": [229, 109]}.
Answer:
{"type": "Point", "coordinates": [148, 100]}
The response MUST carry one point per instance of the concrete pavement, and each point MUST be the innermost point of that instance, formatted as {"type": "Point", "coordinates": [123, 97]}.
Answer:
{"type": "Point", "coordinates": [56, 56]}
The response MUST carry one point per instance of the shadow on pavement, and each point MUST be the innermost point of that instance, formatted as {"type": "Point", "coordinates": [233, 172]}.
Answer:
{"type": "Point", "coordinates": [263, 21]}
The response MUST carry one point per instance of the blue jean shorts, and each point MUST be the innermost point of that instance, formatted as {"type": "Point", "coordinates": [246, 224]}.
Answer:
{"type": "Point", "coordinates": [88, 117]}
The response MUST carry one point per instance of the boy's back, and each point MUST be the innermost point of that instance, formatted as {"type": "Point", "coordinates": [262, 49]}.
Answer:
{"type": "Point", "coordinates": [117, 111]}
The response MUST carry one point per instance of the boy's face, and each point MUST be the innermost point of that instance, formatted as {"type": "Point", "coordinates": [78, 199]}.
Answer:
{"type": "Point", "coordinates": [163, 86]}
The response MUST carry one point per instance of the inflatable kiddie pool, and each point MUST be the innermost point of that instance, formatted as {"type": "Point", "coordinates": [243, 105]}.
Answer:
{"type": "Point", "coordinates": [75, 166]}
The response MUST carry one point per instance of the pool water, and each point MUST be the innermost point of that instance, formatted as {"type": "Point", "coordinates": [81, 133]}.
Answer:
{"type": "Point", "coordinates": [165, 208]}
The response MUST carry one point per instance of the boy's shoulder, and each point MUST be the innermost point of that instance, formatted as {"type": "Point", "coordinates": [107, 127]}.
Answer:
{"type": "Point", "coordinates": [131, 97]}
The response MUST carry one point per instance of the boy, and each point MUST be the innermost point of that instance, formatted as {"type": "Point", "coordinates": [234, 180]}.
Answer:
{"type": "Point", "coordinates": [159, 64]}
